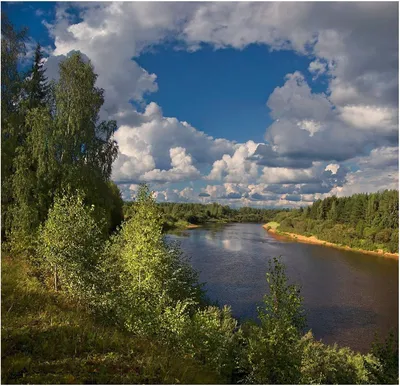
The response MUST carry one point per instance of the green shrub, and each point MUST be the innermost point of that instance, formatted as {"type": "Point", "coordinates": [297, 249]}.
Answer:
{"type": "Point", "coordinates": [273, 352]}
{"type": "Point", "coordinates": [325, 364]}
{"type": "Point", "coordinates": [70, 243]}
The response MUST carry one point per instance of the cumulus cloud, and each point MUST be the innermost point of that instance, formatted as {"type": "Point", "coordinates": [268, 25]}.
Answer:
{"type": "Point", "coordinates": [380, 119]}
{"type": "Point", "coordinates": [182, 168]}
{"type": "Point", "coordinates": [317, 68]}
{"type": "Point", "coordinates": [236, 168]}
{"type": "Point", "coordinates": [309, 126]}
{"type": "Point", "coordinates": [357, 41]}
{"type": "Point", "coordinates": [147, 147]}
{"type": "Point", "coordinates": [317, 139]}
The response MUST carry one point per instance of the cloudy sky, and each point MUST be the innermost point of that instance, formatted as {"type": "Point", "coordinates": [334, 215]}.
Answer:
{"type": "Point", "coordinates": [265, 104]}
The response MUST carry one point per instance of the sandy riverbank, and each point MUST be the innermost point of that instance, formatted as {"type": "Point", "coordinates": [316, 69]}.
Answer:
{"type": "Point", "coordinates": [192, 226]}
{"type": "Point", "coordinates": [315, 240]}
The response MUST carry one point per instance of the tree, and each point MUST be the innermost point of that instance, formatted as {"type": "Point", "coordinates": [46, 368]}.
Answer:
{"type": "Point", "coordinates": [273, 350]}
{"type": "Point", "coordinates": [26, 211]}
{"type": "Point", "coordinates": [155, 275]}
{"type": "Point", "coordinates": [36, 86]}
{"type": "Point", "coordinates": [332, 214]}
{"type": "Point", "coordinates": [66, 149]}
{"type": "Point", "coordinates": [12, 48]}
{"type": "Point", "coordinates": [386, 371]}
{"type": "Point", "coordinates": [70, 243]}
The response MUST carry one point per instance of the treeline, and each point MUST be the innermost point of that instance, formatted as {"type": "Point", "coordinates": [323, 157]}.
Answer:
{"type": "Point", "coordinates": [365, 221]}
{"type": "Point", "coordinates": [52, 142]}
{"type": "Point", "coordinates": [181, 214]}
{"type": "Point", "coordinates": [63, 227]}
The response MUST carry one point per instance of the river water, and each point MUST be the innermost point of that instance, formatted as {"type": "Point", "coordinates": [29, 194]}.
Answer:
{"type": "Point", "coordinates": [348, 296]}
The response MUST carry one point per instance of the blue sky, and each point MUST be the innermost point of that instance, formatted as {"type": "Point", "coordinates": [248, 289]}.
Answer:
{"type": "Point", "coordinates": [262, 104]}
{"type": "Point", "coordinates": [215, 91]}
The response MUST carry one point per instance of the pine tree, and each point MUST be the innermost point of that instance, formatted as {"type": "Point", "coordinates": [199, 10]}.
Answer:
{"type": "Point", "coordinates": [36, 85]}
{"type": "Point", "coordinates": [332, 214]}
{"type": "Point", "coordinates": [66, 149]}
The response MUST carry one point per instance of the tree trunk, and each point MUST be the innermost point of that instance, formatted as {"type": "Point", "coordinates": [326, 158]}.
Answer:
{"type": "Point", "coordinates": [55, 278]}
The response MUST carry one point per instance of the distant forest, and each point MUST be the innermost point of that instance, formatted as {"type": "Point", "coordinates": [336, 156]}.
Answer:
{"type": "Point", "coordinates": [366, 221]}
{"type": "Point", "coordinates": [177, 215]}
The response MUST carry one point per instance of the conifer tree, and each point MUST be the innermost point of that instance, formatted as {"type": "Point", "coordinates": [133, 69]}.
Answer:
{"type": "Point", "coordinates": [36, 86]}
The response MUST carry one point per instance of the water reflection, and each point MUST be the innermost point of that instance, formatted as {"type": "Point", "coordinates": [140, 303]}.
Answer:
{"type": "Point", "coordinates": [228, 244]}
{"type": "Point", "coordinates": [348, 296]}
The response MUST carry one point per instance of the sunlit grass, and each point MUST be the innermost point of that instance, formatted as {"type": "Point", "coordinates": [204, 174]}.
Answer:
{"type": "Point", "coordinates": [272, 224]}
{"type": "Point", "coordinates": [50, 339]}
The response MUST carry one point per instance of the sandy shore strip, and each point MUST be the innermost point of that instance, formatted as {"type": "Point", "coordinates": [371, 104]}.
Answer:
{"type": "Point", "coordinates": [192, 226]}
{"type": "Point", "coordinates": [315, 240]}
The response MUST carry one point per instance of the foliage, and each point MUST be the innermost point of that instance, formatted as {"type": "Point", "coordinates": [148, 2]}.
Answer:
{"type": "Point", "coordinates": [145, 275]}
{"type": "Point", "coordinates": [70, 244]}
{"type": "Point", "coordinates": [325, 364]}
{"type": "Point", "coordinates": [127, 306]}
{"type": "Point", "coordinates": [176, 215]}
{"type": "Point", "coordinates": [12, 49]}
{"type": "Point", "coordinates": [48, 338]}
{"type": "Point", "coordinates": [36, 86]}
{"type": "Point", "coordinates": [273, 352]}
{"type": "Point", "coordinates": [61, 146]}
{"type": "Point", "coordinates": [365, 221]}
{"type": "Point", "coordinates": [385, 370]}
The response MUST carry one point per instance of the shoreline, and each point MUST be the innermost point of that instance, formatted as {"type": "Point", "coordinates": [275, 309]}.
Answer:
{"type": "Point", "coordinates": [315, 240]}
{"type": "Point", "coordinates": [192, 226]}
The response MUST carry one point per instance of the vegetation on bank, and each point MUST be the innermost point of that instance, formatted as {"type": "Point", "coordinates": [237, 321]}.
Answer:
{"type": "Point", "coordinates": [50, 338]}
{"type": "Point", "coordinates": [362, 221]}
{"type": "Point", "coordinates": [89, 298]}
{"type": "Point", "coordinates": [182, 215]}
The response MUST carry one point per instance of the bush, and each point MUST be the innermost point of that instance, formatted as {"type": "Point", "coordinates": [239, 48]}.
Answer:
{"type": "Point", "coordinates": [148, 281]}
{"type": "Point", "coordinates": [212, 338]}
{"type": "Point", "coordinates": [70, 243]}
{"type": "Point", "coordinates": [385, 370]}
{"type": "Point", "coordinates": [272, 353]}
{"type": "Point", "coordinates": [325, 364]}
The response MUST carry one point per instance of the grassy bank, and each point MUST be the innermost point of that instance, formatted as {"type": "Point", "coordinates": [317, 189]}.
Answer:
{"type": "Point", "coordinates": [48, 338]}
{"type": "Point", "coordinates": [273, 228]}
{"type": "Point", "coordinates": [179, 225]}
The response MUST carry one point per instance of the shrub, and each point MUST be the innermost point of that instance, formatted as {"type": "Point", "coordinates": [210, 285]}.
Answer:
{"type": "Point", "coordinates": [325, 364]}
{"type": "Point", "coordinates": [272, 352]}
{"type": "Point", "coordinates": [70, 243]}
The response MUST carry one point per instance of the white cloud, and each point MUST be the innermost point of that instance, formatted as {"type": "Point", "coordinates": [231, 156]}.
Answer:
{"type": "Point", "coordinates": [354, 45]}
{"type": "Point", "coordinates": [146, 150]}
{"type": "Point", "coordinates": [317, 68]}
{"type": "Point", "coordinates": [295, 100]}
{"type": "Point", "coordinates": [382, 119]}
{"type": "Point", "coordinates": [332, 168]}
{"type": "Point", "coordinates": [236, 168]}
{"type": "Point", "coordinates": [309, 125]}
{"type": "Point", "coordinates": [182, 169]}
{"type": "Point", "coordinates": [287, 176]}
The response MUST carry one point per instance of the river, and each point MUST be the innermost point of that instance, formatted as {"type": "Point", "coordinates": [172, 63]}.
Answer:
{"type": "Point", "coordinates": [348, 296]}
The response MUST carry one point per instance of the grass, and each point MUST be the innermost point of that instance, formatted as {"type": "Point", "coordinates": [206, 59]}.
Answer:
{"type": "Point", "coordinates": [272, 224]}
{"type": "Point", "coordinates": [48, 338]}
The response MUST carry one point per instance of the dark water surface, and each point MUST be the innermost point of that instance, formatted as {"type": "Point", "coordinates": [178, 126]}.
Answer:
{"type": "Point", "coordinates": [348, 296]}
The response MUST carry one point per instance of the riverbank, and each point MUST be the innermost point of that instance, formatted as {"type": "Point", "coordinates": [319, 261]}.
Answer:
{"type": "Point", "coordinates": [192, 226]}
{"type": "Point", "coordinates": [180, 226]}
{"type": "Point", "coordinates": [272, 229]}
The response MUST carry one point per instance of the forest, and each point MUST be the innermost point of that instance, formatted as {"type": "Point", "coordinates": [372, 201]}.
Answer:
{"type": "Point", "coordinates": [180, 215]}
{"type": "Point", "coordinates": [365, 221]}
{"type": "Point", "coordinates": [89, 296]}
